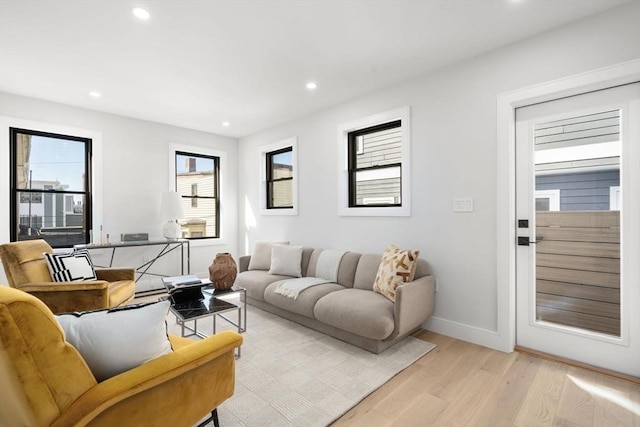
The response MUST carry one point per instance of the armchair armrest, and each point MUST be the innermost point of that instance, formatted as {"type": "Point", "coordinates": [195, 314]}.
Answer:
{"type": "Point", "coordinates": [63, 297]}
{"type": "Point", "coordinates": [175, 389]}
{"type": "Point", "coordinates": [414, 305]}
{"type": "Point", "coordinates": [116, 274]}
{"type": "Point", "coordinates": [35, 287]}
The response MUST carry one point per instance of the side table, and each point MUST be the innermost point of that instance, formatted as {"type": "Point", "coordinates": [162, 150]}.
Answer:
{"type": "Point", "coordinates": [213, 303]}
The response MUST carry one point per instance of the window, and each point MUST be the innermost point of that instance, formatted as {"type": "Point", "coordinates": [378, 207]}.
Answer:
{"type": "Point", "coordinates": [280, 179]}
{"type": "Point", "coordinates": [197, 180]}
{"type": "Point", "coordinates": [547, 200]}
{"type": "Point", "coordinates": [374, 154]}
{"type": "Point", "coordinates": [50, 186]}
{"type": "Point", "coordinates": [375, 165]}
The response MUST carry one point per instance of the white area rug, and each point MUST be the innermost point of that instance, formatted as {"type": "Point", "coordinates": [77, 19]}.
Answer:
{"type": "Point", "coordinates": [290, 375]}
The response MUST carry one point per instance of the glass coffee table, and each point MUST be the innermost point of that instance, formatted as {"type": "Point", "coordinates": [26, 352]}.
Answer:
{"type": "Point", "coordinates": [211, 304]}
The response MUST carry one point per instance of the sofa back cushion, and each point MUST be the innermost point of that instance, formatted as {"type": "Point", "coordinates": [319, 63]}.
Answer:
{"type": "Point", "coordinates": [346, 270]}
{"type": "Point", "coordinates": [367, 270]}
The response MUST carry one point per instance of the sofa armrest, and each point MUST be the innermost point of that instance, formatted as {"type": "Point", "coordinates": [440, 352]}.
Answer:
{"type": "Point", "coordinates": [116, 274]}
{"type": "Point", "coordinates": [175, 389]}
{"type": "Point", "coordinates": [414, 305]}
{"type": "Point", "coordinates": [243, 263]}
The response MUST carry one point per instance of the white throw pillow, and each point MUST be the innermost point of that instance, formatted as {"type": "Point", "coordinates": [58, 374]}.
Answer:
{"type": "Point", "coordinates": [286, 260]}
{"type": "Point", "coordinates": [261, 256]}
{"type": "Point", "coordinates": [73, 266]}
{"type": "Point", "coordinates": [116, 340]}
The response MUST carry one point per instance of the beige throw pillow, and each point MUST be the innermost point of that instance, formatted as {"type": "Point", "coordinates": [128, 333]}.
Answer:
{"type": "Point", "coordinates": [261, 256]}
{"type": "Point", "coordinates": [286, 260]}
{"type": "Point", "coordinates": [397, 267]}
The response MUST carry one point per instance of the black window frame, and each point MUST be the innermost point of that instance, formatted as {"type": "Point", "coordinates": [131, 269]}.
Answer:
{"type": "Point", "coordinates": [352, 155]}
{"type": "Point", "coordinates": [14, 192]}
{"type": "Point", "coordinates": [193, 199]}
{"type": "Point", "coordinates": [269, 179]}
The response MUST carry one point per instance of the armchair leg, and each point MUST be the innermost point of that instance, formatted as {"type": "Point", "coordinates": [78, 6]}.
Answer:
{"type": "Point", "coordinates": [213, 417]}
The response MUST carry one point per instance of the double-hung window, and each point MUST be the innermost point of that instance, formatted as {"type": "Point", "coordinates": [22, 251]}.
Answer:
{"type": "Point", "coordinates": [197, 180]}
{"type": "Point", "coordinates": [374, 155]}
{"type": "Point", "coordinates": [375, 166]}
{"type": "Point", "coordinates": [50, 184]}
{"type": "Point", "coordinates": [279, 178]}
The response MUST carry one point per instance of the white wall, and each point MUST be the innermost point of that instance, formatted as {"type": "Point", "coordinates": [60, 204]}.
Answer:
{"type": "Point", "coordinates": [454, 154]}
{"type": "Point", "coordinates": [135, 172]}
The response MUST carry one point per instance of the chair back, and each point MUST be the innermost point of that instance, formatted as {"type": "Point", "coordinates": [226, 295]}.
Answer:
{"type": "Point", "coordinates": [24, 262]}
{"type": "Point", "coordinates": [41, 373]}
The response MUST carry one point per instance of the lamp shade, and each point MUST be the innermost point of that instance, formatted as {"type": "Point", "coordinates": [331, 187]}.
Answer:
{"type": "Point", "coordinates": [171, 208]}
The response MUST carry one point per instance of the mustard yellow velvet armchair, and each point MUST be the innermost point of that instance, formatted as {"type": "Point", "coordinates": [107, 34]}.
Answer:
{"type": "Point", "coordinates": [27, 270]}
{"type": "Point", "coordinates": [45, 381]}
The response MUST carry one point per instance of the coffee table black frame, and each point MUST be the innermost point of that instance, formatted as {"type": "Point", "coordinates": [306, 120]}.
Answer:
{"type": "Point", "coordinates": [212, 304]}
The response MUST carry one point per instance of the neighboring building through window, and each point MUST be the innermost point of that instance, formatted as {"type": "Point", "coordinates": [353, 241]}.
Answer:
{"type": "Point", "coordinates": [50, 183]}
{"type": "Point", "coordinates": [197, 180]}
{"type": "Point", "coordinates": [375, 166]}
{"type": "Point", "coordinates": [375, 162]}
{"type": "Point", "coordinates": [280, 178]}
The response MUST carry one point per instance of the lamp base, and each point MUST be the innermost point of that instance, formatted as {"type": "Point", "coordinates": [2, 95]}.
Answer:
{"type": "Point", "coordinates": [171, 230]}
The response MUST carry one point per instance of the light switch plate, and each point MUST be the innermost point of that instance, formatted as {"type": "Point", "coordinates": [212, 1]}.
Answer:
{"type": "Point", "coordinates": [463, 204]}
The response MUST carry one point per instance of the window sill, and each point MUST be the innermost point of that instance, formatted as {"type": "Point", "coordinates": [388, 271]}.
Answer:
{"type": "Point", "coordinates": [391, 211]}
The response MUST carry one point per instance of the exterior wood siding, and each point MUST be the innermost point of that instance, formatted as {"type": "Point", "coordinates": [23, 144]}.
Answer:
{"type": "Point", "coordinates": [199, 220]}
{"type": "Point", "coordinates": [581, 130]}
{"type": "Point", "coordinates": [586, 191]}
{"type": "Point", "coordinates": [578, 269]}
{"type": "Point", "coordinates": [381, 148]}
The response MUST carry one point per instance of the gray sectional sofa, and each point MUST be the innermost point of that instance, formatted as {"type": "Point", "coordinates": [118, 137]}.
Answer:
{"type": "Point", "coordinates": [347, 309]}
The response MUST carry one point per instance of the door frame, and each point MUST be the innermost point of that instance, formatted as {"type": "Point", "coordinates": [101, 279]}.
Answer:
{"type": "Point", "coordinates": [507, 103]}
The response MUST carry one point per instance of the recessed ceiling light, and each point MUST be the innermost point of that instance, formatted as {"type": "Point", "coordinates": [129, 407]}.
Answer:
{"type": "Point", "coordinates": [311, 86]}
{"type": "Point", "coordinates": [141, 13]}
{"type": "Point", "coordinates": [226, 124]}
{"type": "Point", "coordinates": [95, 94]}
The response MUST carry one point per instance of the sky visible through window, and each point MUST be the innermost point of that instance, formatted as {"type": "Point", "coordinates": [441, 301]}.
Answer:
{"type": "Point", "coordinates": [53, 159]}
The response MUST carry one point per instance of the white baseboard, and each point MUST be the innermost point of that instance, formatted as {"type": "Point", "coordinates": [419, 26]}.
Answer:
{"type": "Point", "coordinates": [472, 334]}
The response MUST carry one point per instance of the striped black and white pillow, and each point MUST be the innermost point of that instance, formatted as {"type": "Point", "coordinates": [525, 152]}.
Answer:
{"type": "Point", "coordinates": [74, 266]}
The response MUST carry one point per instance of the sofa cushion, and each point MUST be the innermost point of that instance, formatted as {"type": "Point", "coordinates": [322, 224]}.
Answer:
{"type": "Point", "coordinates": [261, 256]}
{"type": "Point", "coordinates": [256, 281]}
{"type": "Point", "coordinates": [366, 271]}
{"type": "Point", "coordinates": [286, 260]}
{"type": "Point", "coordinates": [346, 271]}
{"type": "Point", "coordinates": [360, 312]}
{"type": "Point", "coordinates": [306, 299]}
{"type": "Point", "coordinates": [397, 267]}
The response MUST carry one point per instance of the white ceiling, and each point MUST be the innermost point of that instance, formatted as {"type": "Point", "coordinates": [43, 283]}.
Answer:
{"type": "Point", "coordinates": [198, 63]}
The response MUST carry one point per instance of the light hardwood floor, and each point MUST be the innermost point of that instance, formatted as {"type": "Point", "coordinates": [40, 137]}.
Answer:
{"type": "Point", "coordinates": [463, 384]}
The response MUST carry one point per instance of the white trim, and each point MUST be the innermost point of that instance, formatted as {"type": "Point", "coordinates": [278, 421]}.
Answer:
{"type": "Point", "coordinates": [506, 104]}
{"type": "Point", "coordinates": [403, 114]}
{"type": "Point", "coordinates": [552, 195]}
{"type": "Point", "coordinates": [615, 198]}
{"type": "Point", "coordinates": [464, 332]}
{"type": "Point", "coordinates": [171, 186]}
{"type": "Point", "coordinates": [96, 167]}
{"type": "Point", "coordinates": [288, 142]}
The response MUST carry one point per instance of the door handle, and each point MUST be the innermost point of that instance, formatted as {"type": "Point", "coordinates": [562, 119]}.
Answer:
{"type": "Point", "coordinates": [524, 240]}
